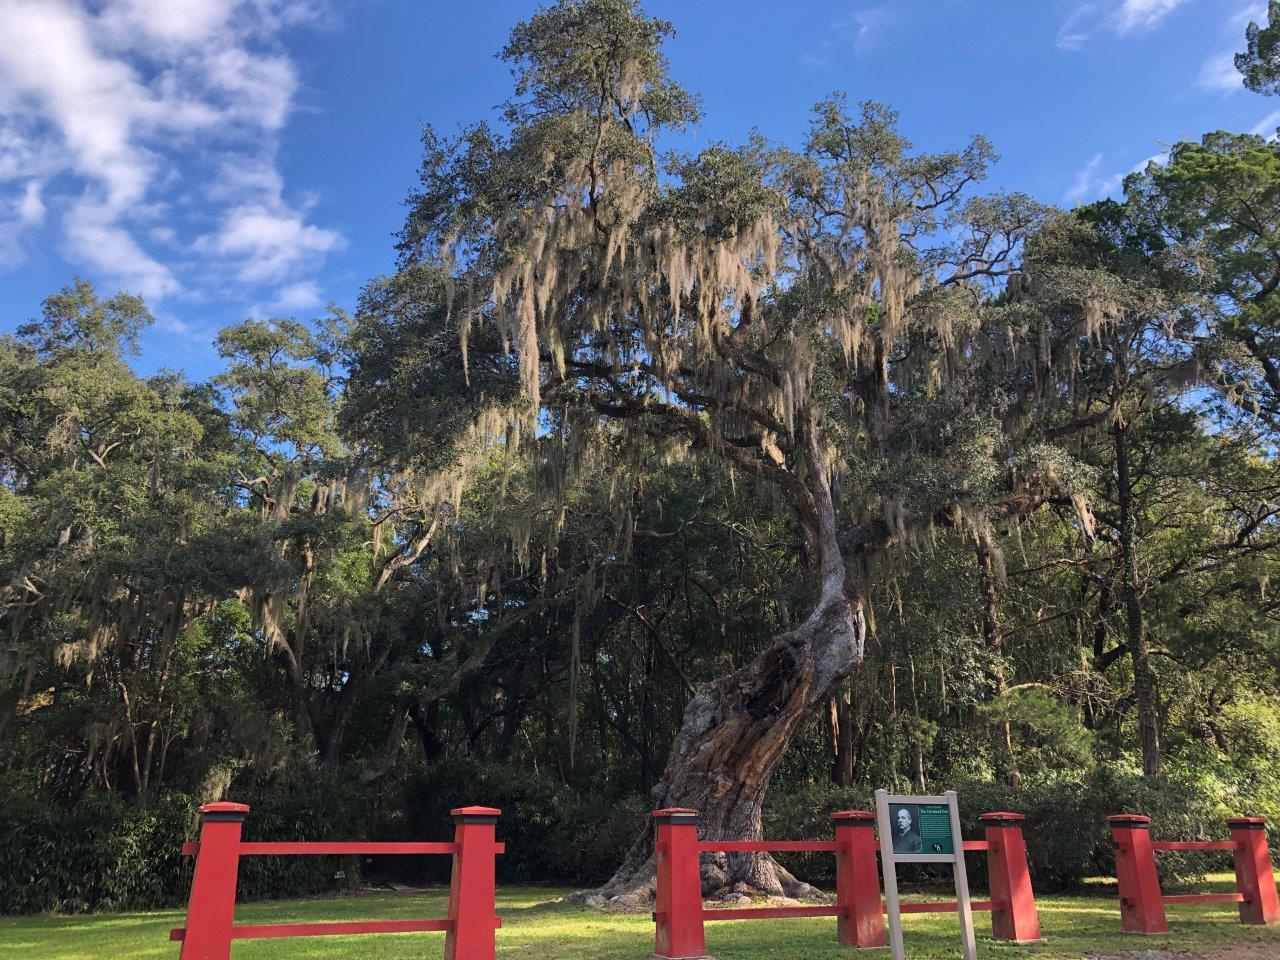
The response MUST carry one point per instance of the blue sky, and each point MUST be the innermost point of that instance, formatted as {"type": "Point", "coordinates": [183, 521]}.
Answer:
{"type": "Point", "coordinates": [230, 158]}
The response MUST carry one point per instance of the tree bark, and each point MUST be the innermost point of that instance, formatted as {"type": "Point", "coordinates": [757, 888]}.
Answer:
{"type": "Point", "coordinates": [1144, 677]}
{"type": "Point", "coordinates": [335, 738]}
{"type": "Point", "coordinates": [917, 733]}
{"type": "Point", "coordinates": [1005, 763]}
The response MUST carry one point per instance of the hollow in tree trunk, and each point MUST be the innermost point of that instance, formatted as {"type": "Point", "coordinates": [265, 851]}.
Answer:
{"type": "Point", "coordinates": [842, 746]}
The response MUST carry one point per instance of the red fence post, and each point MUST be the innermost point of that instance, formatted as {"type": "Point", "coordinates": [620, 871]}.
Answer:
{"type": "Point", "coordinates": [472, 888]}
{"type": "Point", "coordinates": [1010, 879]}
{"type": "Point", "coordinates": [861, 919]}
{"type": "Point", "coordinates": [679, 934]}
{"type": "Point", "coordinates": [1254, 876]}
{"type": "Point", "coordinates": [212, 907]}
{"type": "Point", "coordinates": [1141, 908]}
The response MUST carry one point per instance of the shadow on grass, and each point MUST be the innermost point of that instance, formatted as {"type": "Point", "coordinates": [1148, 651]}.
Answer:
{"type": "Point", "coordinates": [539, 925]}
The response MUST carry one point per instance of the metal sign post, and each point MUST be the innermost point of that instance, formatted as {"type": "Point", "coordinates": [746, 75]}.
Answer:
{"type": "Point", "coordinates": [922, 830]}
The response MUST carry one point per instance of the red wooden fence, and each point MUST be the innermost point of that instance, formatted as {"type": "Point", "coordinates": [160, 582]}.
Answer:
{"type": "Point", "coordinates": [469, 928]}
{"type": "Point", "coordinates": [859, 911]}
{"type": "Point", "coordinates": [1142, 903]}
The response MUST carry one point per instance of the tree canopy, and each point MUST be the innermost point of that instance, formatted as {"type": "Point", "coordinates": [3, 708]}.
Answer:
{"type": "Point", "coordinates": [670, 479]}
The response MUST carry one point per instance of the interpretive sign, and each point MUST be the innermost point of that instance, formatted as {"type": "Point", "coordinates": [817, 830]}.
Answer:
{"type": "Point", "coordinates": [922, 830]}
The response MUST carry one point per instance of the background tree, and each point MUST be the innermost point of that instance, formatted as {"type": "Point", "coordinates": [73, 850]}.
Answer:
{"type": "Point", "coordinates": [1215, 208]}
{"type": "Point", "coordinates": [1260, 63]}
{"type": "Point", "coordinates": [113, 546]}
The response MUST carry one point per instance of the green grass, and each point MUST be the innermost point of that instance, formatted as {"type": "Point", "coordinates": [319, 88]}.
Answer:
{"type": "Point", "coordinates": [1076, 926]}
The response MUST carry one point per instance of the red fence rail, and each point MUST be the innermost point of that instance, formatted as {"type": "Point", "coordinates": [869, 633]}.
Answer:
{"type": "Point", "coordinates": [1141, 901]}
{"type": "Point", "coordinates": [469, 929]}
{"type": "Point", "coordinates": [680, 917]}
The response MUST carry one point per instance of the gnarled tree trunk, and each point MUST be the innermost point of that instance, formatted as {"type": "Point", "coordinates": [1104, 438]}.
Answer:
{"type": "Point", "coordinates": [735, 730]}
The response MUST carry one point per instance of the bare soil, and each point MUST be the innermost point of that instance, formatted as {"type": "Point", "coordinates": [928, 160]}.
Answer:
{"type": "Point", "coordinates": [1240, 951]}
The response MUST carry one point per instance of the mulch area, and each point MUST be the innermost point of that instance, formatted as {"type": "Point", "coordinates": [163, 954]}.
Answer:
{"type": "Point", "coordinates": [1239, 951]}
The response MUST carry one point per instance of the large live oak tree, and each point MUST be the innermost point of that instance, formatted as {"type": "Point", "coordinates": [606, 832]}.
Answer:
{"type": "Point", "coordinates": [809, 318]}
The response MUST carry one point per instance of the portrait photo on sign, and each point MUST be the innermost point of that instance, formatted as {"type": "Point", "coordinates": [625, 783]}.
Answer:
{"type": "Point", "coordinates": [904, 819]}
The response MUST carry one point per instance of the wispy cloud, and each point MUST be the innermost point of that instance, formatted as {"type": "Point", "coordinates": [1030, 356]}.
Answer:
{"type": "Point", "coordinates": [1095, 180]}
{"type": "Point", "coordinates": [1120, 18]}
{"type": "Point", "coordinates": [111, 111]}
{"type": "Point", "coordinates": [1139, 16]}
{"type": "Point", "coordinates": [1078, 28]}
{"type": "Point", "coordinates": [1091, 183]}
{"type": "Point", "coordinates": [95, 232]}
{"type": "Point", "coordinates": [1267, 126]}
{"type": "Point", "coordinates": [1159, 159]}
{"type": "Point", "coordinates": [30, 205]}
{"type": "Point", "coordinates": [304, 295]}
{"type": "Point", "coordinates": [1218, 73]}
{"type": "Point", "coordinates": [856, 34]}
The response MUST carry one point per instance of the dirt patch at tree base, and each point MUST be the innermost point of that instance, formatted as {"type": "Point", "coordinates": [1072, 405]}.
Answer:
{"type": "Point", "coordinates": [1239, 951]}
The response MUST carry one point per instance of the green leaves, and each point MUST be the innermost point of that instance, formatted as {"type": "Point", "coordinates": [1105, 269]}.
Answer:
{"type": "Point", "coordinates": [591, 56]}
{"type": "Point", "coordinates": [1215, 207]}
{"type": "Point", "coordinates": [1260, 63]}
{"type": "Point", "coordinates": [76, 319]}
{"type": "Point", "coordinates": [282, 382]}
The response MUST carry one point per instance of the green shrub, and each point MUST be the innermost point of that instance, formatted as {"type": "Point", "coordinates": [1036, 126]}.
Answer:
{"type": "Point", "coordinates": [312, 805]}
{"type": "Point", "coordinates": [106, 853]}
{"type": "Point", "coordinates": [1066, 830]}
{"type": "Point", "coordinates": [100, 854]}
{"type": "Point", "coordinates": [551, 832]}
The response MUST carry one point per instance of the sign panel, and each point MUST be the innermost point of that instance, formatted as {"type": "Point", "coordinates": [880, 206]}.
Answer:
{"type": "Point", "coordinates": [922, 830]}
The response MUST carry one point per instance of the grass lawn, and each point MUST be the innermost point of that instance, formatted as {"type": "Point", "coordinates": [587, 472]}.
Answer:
{"type": "Point", "coordinates": [1076, 926]}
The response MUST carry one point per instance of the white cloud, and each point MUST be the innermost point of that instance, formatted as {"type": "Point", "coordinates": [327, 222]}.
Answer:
{"type": "Point", "coordinates": [1091, 184]}
{"type": "Point", "coordinates": [261, 87]}
{"type": "Point", "coordinates": [95, 236]}
{"type": "Point", "coordinates": [1121, 18]}
{"type": "Point", "coordinates": [264, 237]}
{"type": "Point", "coordinates": [167, 22]}
{"type": "Point", "coordinates": [30, 207]}
{"type": "Point", "coordinates": [1139, 16]}
{"type": "Point", "coordinates": [1267, 126]}
{"type": "Point", "coordinates": [114, 108]}
{"type": "Point", "coordinates": [304, 295]}
{"type": "Point", "coordinates": [241, 175]}
{"type": "Point", "coordinates": [18, 212]}
{"type": "Point", "coordinates": [269, 242]}
{"type": "Point", "coordinates": [859, 31]}
{"type": "Point", "coordinates": [22, 155]}
{"type": "Point", "coordinates": [1219, 74]}
{"type": "Point", "coordinates": [49, 67]}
